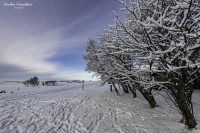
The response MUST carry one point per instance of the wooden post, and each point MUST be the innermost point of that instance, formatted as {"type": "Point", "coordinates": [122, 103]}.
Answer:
{"type": "Point", "coordinates": [82, 84]}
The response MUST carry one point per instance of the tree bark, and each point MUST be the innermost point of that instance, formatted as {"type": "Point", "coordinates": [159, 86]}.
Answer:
{"type": "Point", "coordinates": [133, 91]}
{"type": "Point", "coordinates": [185, 107]}
{"type": "Point", "coordinates": [148, 96]}
{"type": "Point", "coordinates": [115, 88]}
{"type": "Point", "coordinates": [125, 88]}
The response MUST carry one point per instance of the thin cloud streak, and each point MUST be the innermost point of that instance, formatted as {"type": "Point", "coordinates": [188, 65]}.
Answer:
{"type": "Point", "coordinates": [29, 40]}
{"type": "Point", "coordinates": [31, 52]}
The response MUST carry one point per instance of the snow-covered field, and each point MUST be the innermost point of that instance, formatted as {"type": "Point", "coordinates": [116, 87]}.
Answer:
{"type": "Point", "coordinates": [67, 108]}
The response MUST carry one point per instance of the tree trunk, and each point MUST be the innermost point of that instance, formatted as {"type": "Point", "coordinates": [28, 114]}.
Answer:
{"type": "Point", "coordinates": [133, 91]}
{"type": "Point", "coordinates": [148, 96]}
{"type": "Point", "coordinates": [125, 88]}
{"type": "Point", "coordinates": [110, 87]}
{"type": "Point", "coordinates": [115, 88]}
{"type": "Point", "coordinates": [185, 107]}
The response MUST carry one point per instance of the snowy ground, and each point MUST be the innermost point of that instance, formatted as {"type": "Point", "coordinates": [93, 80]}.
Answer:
{"type": "Point", "coordinates": [69, 109]}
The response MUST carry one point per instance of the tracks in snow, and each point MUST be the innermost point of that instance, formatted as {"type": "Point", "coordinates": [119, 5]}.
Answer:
{"type": "Point", "coordinates": [60, 116]}
{"type": "Point", "coordinates": [88, 111]}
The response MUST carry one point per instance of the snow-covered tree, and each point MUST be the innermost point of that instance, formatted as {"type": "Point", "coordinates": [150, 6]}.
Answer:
{"type": "Point", "coordinates": [156, 46]}
{"type": "Point", "coordinates": [98, 63]}
{"type": "Point", "coordinates": [165, 35]}
{"type": "Point", "coordinates": [113, 67]}
{"type": "Point", "coordinates": [32, 81]}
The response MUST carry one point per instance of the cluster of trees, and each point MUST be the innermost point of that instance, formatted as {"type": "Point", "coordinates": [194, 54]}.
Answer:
{"type": "Point", "coordinates": [155, 46]}
{"type": "Point", "coordinates": [49, 83]}
{"type": "Point", "coordinates": [32, 81]}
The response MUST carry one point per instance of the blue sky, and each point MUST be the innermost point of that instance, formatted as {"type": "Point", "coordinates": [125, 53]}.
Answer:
{"type": "Point", "coordinates": [47, 38]}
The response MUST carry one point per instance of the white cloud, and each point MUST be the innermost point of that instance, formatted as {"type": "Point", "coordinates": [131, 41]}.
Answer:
{"type": "Point", "coordinates": [29, 45]}
{"type": "Point", "coordinates": [28, 51]}
{"type": "Point", "coordinates": [74, 74]}
{"type": "Point", "coordinates": [24, 47]}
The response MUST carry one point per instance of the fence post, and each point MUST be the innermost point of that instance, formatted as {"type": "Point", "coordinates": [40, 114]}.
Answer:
{"type": "Point", "coordinates": [82, 84]}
